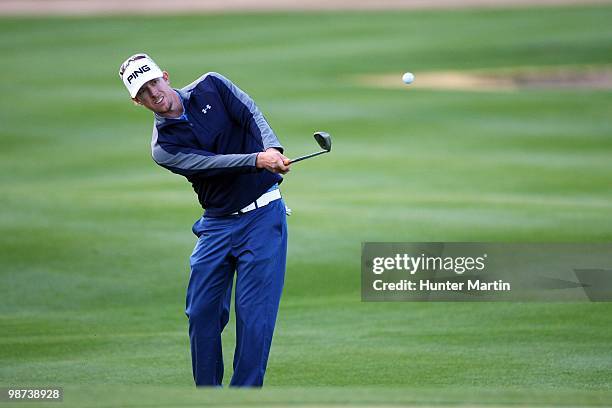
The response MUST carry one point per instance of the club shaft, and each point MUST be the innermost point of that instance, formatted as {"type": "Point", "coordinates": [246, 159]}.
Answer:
{"type": "Point", "coordinates": [308, 156]}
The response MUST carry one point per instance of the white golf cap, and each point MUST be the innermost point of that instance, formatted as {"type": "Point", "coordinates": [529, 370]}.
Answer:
{"type": "Point", "coordinates": [137, 71]}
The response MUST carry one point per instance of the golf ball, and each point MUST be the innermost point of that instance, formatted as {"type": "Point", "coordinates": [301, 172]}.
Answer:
{"type": "Point", "coordinates": [408, 77]}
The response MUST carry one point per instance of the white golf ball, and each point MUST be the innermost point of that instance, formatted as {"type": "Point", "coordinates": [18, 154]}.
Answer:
{"type": "Point", "coordinates": [408, 77]}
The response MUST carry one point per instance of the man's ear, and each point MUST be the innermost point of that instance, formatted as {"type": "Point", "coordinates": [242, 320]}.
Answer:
{"type": "Point", "coordinates": [136, 101]}
{"type": "Point", "coordinates": [166, 77]}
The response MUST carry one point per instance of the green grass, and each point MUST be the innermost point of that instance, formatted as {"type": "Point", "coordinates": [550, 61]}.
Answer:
{"type": "Point", "coordinates": [95, 238]}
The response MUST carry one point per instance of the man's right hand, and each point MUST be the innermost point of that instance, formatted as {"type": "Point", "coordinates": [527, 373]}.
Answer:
{"type": "Point", "coordinates": [274, 161]}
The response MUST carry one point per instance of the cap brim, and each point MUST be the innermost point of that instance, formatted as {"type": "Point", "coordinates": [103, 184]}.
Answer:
{"type": "Point", "coordinates": [143, 79]}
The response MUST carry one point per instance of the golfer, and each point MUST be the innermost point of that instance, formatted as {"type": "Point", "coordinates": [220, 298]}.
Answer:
{"type": "Point", "coordinates": [213, 134]}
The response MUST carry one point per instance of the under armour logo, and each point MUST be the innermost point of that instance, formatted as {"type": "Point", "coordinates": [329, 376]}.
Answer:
{"type": "Point", "coordinates": [205, 110]}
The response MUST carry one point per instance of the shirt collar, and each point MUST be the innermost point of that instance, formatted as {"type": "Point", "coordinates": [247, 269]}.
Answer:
{"type": "Point", "coordinates": [183, 96]}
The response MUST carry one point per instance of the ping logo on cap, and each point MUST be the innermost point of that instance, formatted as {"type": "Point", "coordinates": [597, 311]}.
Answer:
{"type": "Point", "coordinates": [138, 70]}
{"type": "Point", "coordinates": [135, 74]}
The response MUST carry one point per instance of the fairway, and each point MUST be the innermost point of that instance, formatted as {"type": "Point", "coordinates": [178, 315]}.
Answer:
{"type": "Point", "coordinates": [95, 238]}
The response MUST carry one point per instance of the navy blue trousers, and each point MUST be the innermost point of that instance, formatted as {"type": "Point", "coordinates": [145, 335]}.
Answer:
{"type": "Point", "coordinates": [254, 245]}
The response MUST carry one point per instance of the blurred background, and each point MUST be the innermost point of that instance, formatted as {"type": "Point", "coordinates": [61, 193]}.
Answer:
{"type": "Point", "coordinates": [508, 138]}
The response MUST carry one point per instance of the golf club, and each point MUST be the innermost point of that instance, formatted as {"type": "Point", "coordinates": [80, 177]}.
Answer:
{"type": "Point", "coordinates": [324, 140]}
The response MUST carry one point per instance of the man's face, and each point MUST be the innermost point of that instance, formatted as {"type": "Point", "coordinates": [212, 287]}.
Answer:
{"type": "Point", "coordinates": [157, 95]}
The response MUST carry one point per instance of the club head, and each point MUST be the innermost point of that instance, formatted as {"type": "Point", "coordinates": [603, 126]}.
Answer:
{"type": "Point", "coordinates": [324, 140]}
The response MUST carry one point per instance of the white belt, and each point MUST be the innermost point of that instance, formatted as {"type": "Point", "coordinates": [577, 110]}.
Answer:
{"type": "Point", "coordinates": [262, 201]}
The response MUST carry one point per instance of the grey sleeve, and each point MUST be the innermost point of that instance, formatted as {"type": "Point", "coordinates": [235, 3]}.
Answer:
{"type": "Point", "coordinates": [187, 161]}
